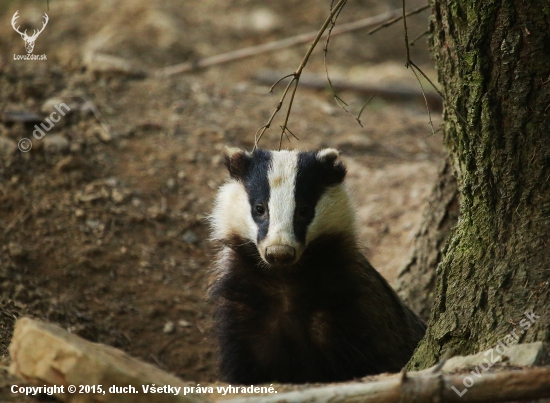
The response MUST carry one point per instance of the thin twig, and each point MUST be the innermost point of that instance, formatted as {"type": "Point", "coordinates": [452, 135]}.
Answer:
{"type": "Point", "coordinates": [279, 80]}
{"type": "Point", "coordinates": [425, 101]}
{"type": "Point", "coordinates": [406, 36]}
{"type": "Point", "coordinates": [415, 67]}
{"type": "Point", "coordinates": [163, 348]}
{"type": "Point", "coordinates": [262, 129]}
{"type": "Point", "coordinates": [426, 32]}
{"type": "Point", "coordinates": [284, 126]}
{"type": "Point", "coordinates": [292, 134]}
{"type": "Point", "coordinates": [286, 135]}
{"type": "Point", "coordinates": [396, 19]}
{"type": "Point", "coordinates": [339, 101]}
{"type": "Point", "coordinates": [272, 46]}
{"type": "Point", "coordinates": [409, 63]}
{"type": "Point", "coordinates": [21, 218]}
{"type": "Point", "coordinates": [390, 91]}
{"type": "Point", "coordinates": [297, 74]}
{"type": "Point", "coordinates": [87, 100]}
{"type": "Point", "coordinates": [413, 64]}
{"type": "Point", "coordinates": [296, 79]}
{"type": "Point", "coordinates": [358, 118]}
{"type": "Point", "coordinates": [157, 361]}
{"type": "Point", "coordinates": [458, 114]}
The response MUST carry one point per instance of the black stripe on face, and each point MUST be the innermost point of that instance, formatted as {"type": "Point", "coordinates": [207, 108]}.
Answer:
{"type": "Point", "coordinates": [312, 179]}
{"type": "Point", "coordinates": [256, 184]}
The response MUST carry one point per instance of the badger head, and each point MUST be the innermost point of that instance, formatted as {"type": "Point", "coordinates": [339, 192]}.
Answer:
{"type": "Point", "coordinates": [281, 201]}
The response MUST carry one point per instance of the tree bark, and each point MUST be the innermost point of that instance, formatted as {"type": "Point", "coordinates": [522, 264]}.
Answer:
{"type": "Point", "coordinates": [416, 281]}
{"type": "Point", "coordinates": [493, 61]}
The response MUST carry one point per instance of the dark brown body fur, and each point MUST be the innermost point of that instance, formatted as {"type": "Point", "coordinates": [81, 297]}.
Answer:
{"type": "Point", "coordinates": [330, 317]}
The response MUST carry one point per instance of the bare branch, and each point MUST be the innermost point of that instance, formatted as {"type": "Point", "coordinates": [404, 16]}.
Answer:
{"type": "Point", "coordinates": [386, 91]}
{"type": "Point", "coordinates": [413, 64]}
{"type": "Point", "coordinates": [426, 32]}
{"type": "Point", "coordinates": [409, 63]}
{"type": "Point", "coordinates": [292, 134]}
{"type": "Point", "coordinates": [262, 129]}
{"type": "Point", "coordinates": [358, 118]}
{"type": "Point", "coordinates": [284, 126]}
{"type": "Point", "coordinates": [458, 114]}
{"type": "Point", "coordinates": [335, 11]}
{"type": "Point", "coordinates": [396, 19]}
{"type": "Point", "coordinates": [272, 46]}
{"type": "Point", "coordinates": [279, 80]}
{"type": "Point", "coordinates": [425, 100]}
{"type": "Point", "coordinates": [296, 79]}
{"type": "Point", "coordinates": [339, 101]}
{"type": "Point", "coordinates": [406, 36]}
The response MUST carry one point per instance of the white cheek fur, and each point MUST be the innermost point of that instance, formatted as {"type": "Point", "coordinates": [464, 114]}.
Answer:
{"type": "Point", "coordinates": [231, 215]}
{"type": "Point", "coordinates": [333, 214]}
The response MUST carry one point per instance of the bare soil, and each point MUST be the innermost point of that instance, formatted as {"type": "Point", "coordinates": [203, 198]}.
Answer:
{"type": "Point", "coordinates": [106, 232]}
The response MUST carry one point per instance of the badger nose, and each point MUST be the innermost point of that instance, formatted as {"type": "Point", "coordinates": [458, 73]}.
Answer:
{"type": "Point", "coordinates": [280, 254]}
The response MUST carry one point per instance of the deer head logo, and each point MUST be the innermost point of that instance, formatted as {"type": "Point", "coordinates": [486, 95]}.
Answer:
{"type": "Point", "coordinates": [29, 40]}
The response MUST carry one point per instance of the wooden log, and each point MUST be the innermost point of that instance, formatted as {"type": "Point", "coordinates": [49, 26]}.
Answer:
{"type": "Point", "coordinates": [45, 354]}
{"type": "Point", "coordinates": [504, 386]}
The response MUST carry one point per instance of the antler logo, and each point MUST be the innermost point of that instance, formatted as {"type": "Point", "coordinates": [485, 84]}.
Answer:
{"type": "Point", "coordinates": [29, 40]}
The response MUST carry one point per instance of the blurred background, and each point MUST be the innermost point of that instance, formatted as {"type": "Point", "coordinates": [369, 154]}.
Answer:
{"type": "Point", "coordinates": [103, 222]}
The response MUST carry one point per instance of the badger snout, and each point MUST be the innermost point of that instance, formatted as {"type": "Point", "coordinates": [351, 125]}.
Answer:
{"type": "Point", "coordinates": [280, 254]}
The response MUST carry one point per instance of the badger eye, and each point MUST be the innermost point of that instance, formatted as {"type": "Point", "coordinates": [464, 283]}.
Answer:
{"type": "Point", "coordinates": [305, 211]}
{"type": "Point", "coordinates": [259, 210]}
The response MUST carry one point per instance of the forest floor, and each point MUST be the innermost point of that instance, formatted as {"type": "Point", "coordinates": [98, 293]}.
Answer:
{"type": "Point", "coordinates": [105, 232]}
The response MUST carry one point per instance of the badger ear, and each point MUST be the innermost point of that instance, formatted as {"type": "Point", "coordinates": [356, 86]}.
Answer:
{"type": "Point", "coordinates": [328, 154]}
{"type": "Point", "coordinates": [335, 170]}
{"type": "Point", "coordinates": [237, 161]}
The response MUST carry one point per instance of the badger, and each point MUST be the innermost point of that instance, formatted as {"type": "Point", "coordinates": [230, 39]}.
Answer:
{"type": "Point", "coordinates": [295, 300]}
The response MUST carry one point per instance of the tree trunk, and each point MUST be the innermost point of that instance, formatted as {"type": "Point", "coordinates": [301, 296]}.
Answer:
{"type": "Point", "coordinates": [415, 282]}
{"type": "Point", "coordinates": [493, 61]}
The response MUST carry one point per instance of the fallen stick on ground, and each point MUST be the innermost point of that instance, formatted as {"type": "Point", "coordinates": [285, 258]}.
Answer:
{"type": "Point", "coordinates": [271, 46]}
{"type": "Point", "coordinates": [388, 91]}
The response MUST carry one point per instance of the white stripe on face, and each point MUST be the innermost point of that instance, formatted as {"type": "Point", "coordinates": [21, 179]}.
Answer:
{"type": "Point", "coordinates": [282, 178]}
